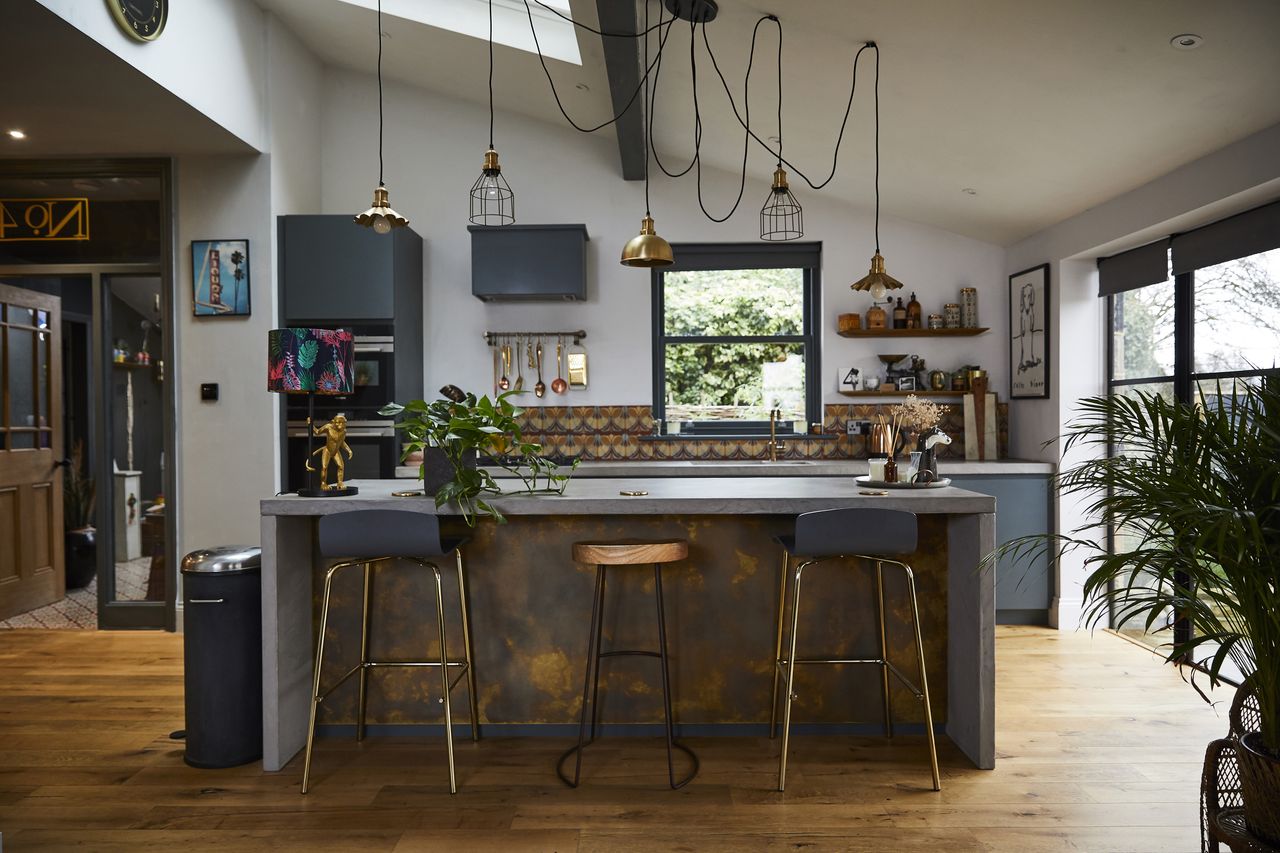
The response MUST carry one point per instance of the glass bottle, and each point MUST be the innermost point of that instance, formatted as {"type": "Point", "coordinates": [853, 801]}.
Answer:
{"type": "Point", "coordinates": [891, 470]}
{"type": "Point", "coordinates": [914, 313]}
{"type": "Point", "coordinates": [899, 315]}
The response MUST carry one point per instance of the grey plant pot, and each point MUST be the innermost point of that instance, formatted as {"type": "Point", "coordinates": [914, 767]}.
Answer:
{"type": "Point", "coordinates": [437, 470]}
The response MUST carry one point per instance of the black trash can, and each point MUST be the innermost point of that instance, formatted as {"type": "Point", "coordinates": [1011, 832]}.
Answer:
{"type": "Point", "coordinates": [222, 644]}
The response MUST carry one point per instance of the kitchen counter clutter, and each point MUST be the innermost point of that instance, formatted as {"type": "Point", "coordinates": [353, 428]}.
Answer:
{"type": "Point", "coordinates": [530, 603]}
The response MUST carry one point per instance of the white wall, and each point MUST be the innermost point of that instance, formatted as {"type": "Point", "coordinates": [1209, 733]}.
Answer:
{"type": "Point", "coordinates": [434, 147]}
{"type": "Point", "coordinates": [212, 55]}
{"type": "Point", "coordinates": [1235, 178]}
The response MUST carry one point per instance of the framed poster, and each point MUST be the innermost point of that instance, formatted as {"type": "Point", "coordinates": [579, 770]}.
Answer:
{"type": "Point", "coordinates": [220, 278]}
{"type": "Point", "coordinates": [1029, 333]}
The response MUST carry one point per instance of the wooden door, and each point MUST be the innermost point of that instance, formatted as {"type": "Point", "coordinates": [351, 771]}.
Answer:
{"type": "Point", "coordinates": [31, 535]}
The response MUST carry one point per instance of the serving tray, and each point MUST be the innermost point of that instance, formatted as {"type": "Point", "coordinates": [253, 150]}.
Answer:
{"type": "Point", "coordinates": [866, 480]}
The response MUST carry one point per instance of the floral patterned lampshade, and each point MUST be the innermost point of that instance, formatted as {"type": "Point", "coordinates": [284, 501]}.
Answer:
{"type": "Point", "coordinates": [311, 361]}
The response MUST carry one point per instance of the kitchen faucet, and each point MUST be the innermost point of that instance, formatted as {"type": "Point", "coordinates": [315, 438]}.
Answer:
{"type": "Point", "coordinates": [774, 445]}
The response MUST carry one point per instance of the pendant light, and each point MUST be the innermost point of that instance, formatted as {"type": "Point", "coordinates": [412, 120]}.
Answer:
{"type": "Point", "coordinates": [381, 217]}
{"type": "Point", "coordinates": [781, 217]}
{"type": "Point", "coordinates": [492, 201]}
{"type": "Point", "coordinates": [877, 280]}
{"type": "Point", "coordinates": [647, 249]}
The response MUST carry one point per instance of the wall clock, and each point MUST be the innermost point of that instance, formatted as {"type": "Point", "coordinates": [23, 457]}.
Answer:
{"type": "Point", "coordinates": [141, 20]}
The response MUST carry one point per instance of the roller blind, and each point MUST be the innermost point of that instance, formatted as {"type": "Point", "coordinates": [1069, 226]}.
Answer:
{"type": "Point", "coordinates": [714, 256]}
{"type": "Point", "coordinates": [1239, 236]}
{"type": "Point", "coordinates": [1135, 268]}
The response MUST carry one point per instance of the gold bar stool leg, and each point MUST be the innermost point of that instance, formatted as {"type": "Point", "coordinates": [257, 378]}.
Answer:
{"type": "Point", "coordinates": [444, 681]}
{"type": "Point", "coordinates": [884, 651]}
{"type": "Point", "coordinates": [472, 697]}
{"type": "Point", "coordinates": [777, 644]}
{"type": "Point", "coordinates": [364, 654]}
{"type": "Point", "coordinates": [315, 682]}
{"type": "Point", "coordinates": [791, 676]}
{"type": "Point", "coordinates": [924, 679]}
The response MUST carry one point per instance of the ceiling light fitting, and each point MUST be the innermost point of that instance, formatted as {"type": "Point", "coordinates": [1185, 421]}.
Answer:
{"type": "Point", "coordinates": [877, 280]}
{"type": "Point", "coordinates": [492, 200]}
{"type": "Point", "coordinates": [381, 217]}
{"type": "Point", "coordinates": [781, 216]}
{"type": "Point", "coordinates": [647, 249]}
{"type": "Point", "coordinates": [1186, 41]}
{"type": "Point", "coordinates": [17, 134]}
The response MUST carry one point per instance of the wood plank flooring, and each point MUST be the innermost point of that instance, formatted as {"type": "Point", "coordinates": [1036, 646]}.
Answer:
{"type": "Point", "coordinates": [1099, 749]}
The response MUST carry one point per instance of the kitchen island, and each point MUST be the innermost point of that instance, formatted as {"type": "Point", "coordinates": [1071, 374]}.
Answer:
{"type": "Point", "coordinates": [531, 605]}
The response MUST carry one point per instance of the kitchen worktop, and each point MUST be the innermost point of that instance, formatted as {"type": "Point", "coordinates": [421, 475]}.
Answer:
{"type": "Point", "coordinates": [704, 495]}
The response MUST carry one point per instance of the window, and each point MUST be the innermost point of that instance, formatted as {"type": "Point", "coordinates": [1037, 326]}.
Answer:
{"type": "Point", "coordinates": [735, 336]}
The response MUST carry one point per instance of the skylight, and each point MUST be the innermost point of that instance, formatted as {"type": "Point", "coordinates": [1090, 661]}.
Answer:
{"type": "Point", "coordinates": [510, 22]}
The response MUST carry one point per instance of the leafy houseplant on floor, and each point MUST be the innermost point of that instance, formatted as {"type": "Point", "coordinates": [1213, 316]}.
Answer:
{"type": "Point", "coordinates": [454, 430]}
{"type": "Point", "coordinates": [1193, 496]}
{"type": "Point", "coordinates": [78, 498]}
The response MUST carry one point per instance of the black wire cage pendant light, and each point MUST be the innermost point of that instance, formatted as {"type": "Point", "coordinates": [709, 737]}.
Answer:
{"type": "Point", "coordinates": [781, 218]}
{"type": "Point", "coordinates": [647, 249]}
{"type": "Point", "coordinates": [492, 201]}
{"type": "Point", "coordinates": [381, 217]}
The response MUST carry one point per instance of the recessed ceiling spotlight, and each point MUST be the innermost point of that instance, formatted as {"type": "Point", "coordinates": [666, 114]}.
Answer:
{"type": "Point", "coordinates": [1186, 41]}
{"type": "Point", "coordinates": [969, 191]}
{"type": "Point", "coordinates": [17, 134]}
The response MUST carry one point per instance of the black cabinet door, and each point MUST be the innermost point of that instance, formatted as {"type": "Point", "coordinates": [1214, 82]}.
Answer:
{"type": "Point", "coordinates": [335, 270]}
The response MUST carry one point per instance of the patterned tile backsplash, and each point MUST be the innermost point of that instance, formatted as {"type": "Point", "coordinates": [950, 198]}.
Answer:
{"type": "Point", "coordinates": [625, 433]}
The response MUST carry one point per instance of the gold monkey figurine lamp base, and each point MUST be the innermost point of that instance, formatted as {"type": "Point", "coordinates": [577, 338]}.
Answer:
{"type": "Point", "coordinates": [329, 453]}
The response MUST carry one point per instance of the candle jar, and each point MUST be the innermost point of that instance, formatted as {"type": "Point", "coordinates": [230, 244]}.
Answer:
{"type": "Point", "coordinates": [969, 307]}
{"type": "Point", "coordinates": [951, 315]}
{"type": "Point", "coordinates": [935, 321]}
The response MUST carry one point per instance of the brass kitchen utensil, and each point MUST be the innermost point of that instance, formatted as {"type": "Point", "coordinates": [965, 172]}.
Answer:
{"type": "Point", "coordinates": [578, 367]}
{"type": "Point", "coordinates": [496, 368]}
{"type": "Point", "coordinates": [519, 366]}
{"type": "Point", "coordinates": [504, 382]}
{"type": "Point", "coordinates": [558, 384]}
{"type": "Point", "coordinates": [539, 388]}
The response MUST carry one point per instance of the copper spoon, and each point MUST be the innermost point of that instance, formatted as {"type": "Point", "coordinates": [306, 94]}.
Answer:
{"type": "Point", "coordinates": [540, 388]}
{"type": "Point", "coordinates": [519, 366]}
{"type": "Point", "coordinates": [504, 383]}
{"type": "Point", "coordinates": [558, 384]}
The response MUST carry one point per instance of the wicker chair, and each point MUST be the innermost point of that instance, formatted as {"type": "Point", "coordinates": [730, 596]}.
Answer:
{"type": "Point", "coordinates": [1220, 783]}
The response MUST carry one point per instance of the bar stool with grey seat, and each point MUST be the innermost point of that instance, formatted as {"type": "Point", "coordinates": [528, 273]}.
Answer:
{"type": "Point", "coordinates": [377, 538]}
{"type": "Point", "coordinates": [628, 552]}
{"type": "Point", "coordinates": [871, 534]}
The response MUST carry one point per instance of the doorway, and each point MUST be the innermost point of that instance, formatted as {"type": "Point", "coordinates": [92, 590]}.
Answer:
{"type": "Point", "coordinates": [110, 434]}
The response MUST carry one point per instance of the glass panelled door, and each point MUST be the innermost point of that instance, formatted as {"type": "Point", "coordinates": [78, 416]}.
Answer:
{"type": "Point", "coordinates": [31, 525]}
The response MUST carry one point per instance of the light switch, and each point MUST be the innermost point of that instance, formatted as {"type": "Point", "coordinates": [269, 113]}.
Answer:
{"type": "Point", "coordinates": [209, 392]}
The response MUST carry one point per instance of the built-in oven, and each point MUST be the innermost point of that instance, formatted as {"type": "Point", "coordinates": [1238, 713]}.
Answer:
{"type": "Point", "coordinates": [373, 444]}
{"type": "Point", "coordinates": [375, 386]}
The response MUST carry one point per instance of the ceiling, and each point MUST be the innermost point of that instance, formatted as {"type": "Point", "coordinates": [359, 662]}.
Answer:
{"type": "Point", "coordinates": [1043, 108]}
{"type": "Point", "coordinates": [73, 90]}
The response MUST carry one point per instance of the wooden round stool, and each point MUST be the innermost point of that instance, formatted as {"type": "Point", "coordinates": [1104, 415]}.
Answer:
{"type": "Point", "coordinates": [625, 552]}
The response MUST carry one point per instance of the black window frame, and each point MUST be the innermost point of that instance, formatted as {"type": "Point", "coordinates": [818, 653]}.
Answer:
{"type": "Point", "coordinates": [743, 256]}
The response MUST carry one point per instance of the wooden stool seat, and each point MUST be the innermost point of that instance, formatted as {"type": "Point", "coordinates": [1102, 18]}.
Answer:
{"type": "Point", "coordinates": [630, 552]}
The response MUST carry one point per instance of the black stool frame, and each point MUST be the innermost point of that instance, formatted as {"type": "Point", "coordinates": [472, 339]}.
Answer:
{"type": "Point", "coordinates": [591, 685]}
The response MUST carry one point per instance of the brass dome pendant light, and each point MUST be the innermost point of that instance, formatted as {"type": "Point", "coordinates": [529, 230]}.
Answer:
{"type": "Point", "coordinates": [877, 280]}
{"type": "Point", "coordinates": [381, 217]}
{"type": "Point", "coordinates": [781, 217]}
{"type": "Point", "coordinates": [492, 201]}
{"type": "Point", "coordinates": [647, 249]}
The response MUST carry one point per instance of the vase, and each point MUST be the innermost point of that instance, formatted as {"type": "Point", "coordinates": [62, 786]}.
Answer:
{"type": "Point", "coordinates": [81, 557]}
{"type": "Point", "coordinates": [1260, 788]}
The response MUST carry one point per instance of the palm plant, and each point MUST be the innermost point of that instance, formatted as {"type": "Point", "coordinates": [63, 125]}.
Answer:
{"type": "Point", "coordinates": [462, 425]}
{"type": "Point", "coordinates": [78, 492]}
{"type": "Point", "coordinates": [1193, 494]}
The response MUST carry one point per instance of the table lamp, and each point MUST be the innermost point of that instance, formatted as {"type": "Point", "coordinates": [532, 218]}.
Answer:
{"type": "Point", "coordinates": [311, 362]}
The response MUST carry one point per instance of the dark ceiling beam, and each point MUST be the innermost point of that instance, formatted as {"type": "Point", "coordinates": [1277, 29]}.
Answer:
{"type": "Point", "coordinates": [623, 60]}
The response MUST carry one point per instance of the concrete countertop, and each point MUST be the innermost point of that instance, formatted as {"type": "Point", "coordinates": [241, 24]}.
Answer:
{"type": "Point", "coordinates": [666, 496]}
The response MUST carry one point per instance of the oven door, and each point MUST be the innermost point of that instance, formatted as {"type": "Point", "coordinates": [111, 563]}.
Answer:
{"type": "Point", "coordinates": [373, 449]}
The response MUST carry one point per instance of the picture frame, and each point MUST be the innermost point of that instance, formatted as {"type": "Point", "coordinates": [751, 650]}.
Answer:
{"type": "Point", "coordinates": [906, 383]}
{"type": "Point", "coordinates": [1029, 333]}
{"type": "Point", "coordinates": [220, 282]}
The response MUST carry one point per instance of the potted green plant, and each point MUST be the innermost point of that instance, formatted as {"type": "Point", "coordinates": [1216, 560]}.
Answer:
{"type": "Point", "coordinates": [1193, 497]}
{"type": "Point", "coordinates": [79, 496]}
{"type": "Point", "coordinates": [453, 431]}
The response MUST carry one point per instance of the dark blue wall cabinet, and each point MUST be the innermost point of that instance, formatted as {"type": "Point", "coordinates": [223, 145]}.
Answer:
{"type": "Point", "coordinates": [529, 262]}
{"type": "Point", "coordinates": [1024, 592]}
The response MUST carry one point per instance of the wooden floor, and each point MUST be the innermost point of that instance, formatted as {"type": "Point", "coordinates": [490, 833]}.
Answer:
{"type": "Point", "coordinates": [1099, 750]}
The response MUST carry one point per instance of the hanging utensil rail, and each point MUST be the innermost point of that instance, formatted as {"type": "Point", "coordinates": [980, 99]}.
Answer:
{"type": "Point", "coordinates": [493, 338]}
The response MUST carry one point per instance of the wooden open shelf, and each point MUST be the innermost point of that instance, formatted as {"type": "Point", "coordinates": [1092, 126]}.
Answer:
{"type": "Point", "coordinates": [913, 333]}
{"type": "Point", "coordinates": [955, 395]}
{"type": "Point", "coordinates": [132, 365]}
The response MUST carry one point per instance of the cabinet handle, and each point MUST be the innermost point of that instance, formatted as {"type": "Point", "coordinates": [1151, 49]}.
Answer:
{"type": "Point", "coordinates": [205, 601]}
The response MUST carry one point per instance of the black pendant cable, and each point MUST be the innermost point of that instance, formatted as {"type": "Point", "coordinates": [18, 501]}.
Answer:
{"type": "Point", "coordinates": [778, 220]}
{"type": "Point", "coordinates": [647, 249]}
{"type": "Point", "coordinates": [381, 217]}
{"type": "Point", "coordinates": [781, 217]}
{"type": "Point", "coordinates": [492, 201]}
{"type": "Point", "coordinates": [877, 281]}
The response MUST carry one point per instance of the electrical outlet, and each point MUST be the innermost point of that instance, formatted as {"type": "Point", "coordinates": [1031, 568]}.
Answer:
{"type": "Point", "coordinates": [853, 427]}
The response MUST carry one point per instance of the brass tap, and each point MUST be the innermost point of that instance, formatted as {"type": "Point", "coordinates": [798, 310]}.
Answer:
{"type": "Point", "coordinates": [774, 445]}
